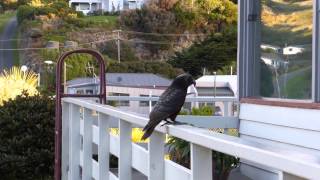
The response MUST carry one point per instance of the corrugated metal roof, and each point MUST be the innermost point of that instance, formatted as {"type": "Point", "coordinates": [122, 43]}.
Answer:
{"type": "Point", "coordinates": [125, 79]}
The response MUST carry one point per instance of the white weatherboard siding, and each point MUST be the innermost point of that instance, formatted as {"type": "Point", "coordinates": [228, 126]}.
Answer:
{"type": "Point", "coordinates": [288, 128]}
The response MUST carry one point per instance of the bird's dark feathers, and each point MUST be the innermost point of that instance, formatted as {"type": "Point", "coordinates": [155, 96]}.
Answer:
{"type": "Point", "coordinates": [169, 104]}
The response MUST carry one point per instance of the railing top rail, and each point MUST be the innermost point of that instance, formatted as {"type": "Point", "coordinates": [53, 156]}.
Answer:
{"type": "Point", "coordinates": [258, 153]}
{"type": "Point", "coordinates": [188, 99]}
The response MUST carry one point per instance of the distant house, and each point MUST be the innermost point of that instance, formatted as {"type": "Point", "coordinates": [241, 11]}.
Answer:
{"type": "Point", "coordinates": [87, 6]}
{"type": "Point", "coordinates": [123, 84]}
{"type": "Point", "coordinates": [268, 47]}
{"type": "Point", "coordinates": [293, 50]}
{"type": "Point", "coordinates": [217, 86]}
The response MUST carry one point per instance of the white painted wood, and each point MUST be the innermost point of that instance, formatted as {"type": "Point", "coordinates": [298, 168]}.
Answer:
{"type": "Point", "coordinates": [226, 113]}
{"type": "Point", "coordinates": [255, 172]}
{"type": "Point", "coordinates": [281, 159]}
{"type": "Point", "coordinates": [103, 149]}
{"type": "Point", "coordinates": [289, 117]}
{"type": "Point", "coordinates": [74, 139]}
{"type": "Point", "coordinates": [281, 145]}
{"type": "Point", "coordinates": [188, 99]}
{"type": "Point", "coordinates": [201, 162]}
{"type": "Point", "coordinates": [285, 176]}
{"type": "Point", "coordinates": [65, 141]}
{"type": "Point", "coordinates": [87, 144]}
{"type": "Point", "coordinates": [210, 121]}
{"type": "Point", "coordinates": [114, 145]}
{"type": "Point", "coordinates": [125, 155]}
{"type": "Point", "coordinates": [156, 156]}
{"type": "Point", "coordinates": [286, 135]}
{"type": "Point", "coordinates": [139, 159]}
{"type": "Point", "coordinates": [174, 171]}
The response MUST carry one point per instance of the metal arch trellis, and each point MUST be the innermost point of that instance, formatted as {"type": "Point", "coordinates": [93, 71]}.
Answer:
{"type": "Point", "coordinates": [60, 94]}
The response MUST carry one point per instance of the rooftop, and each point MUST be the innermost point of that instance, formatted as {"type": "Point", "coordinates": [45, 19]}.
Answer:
{"type": "Point", "coordinates": [124, 79]}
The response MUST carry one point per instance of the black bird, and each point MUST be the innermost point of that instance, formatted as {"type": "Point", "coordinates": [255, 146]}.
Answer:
{"type": "Point", "coordinates": [169, 104]}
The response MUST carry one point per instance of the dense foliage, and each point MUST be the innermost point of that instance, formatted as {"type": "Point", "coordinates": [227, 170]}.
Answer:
{"type": "Point", "coordinates": [160, 68]}
{"type": "Point", "coordinates": [214, 53]}
{"type": "Point", "coordinates": [27, 138]}
{"type": "Point", "coordinates": [54, 9]}
{"type": "Point", "coordinates": [266, 80]}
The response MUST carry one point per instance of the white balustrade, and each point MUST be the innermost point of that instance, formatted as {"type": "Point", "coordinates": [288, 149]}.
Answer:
{"type": "Point", "coordinates": [77, 162]}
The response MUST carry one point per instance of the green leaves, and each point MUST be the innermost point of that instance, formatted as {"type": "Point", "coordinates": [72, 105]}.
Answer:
{"type": "Point", "coordinates": [27, 138]}
{"type": "Point", "coordinates": [214, 53]}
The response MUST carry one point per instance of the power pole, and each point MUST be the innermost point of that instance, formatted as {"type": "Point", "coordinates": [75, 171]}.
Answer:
{"type": "Point", "coordinates": [118, 43]}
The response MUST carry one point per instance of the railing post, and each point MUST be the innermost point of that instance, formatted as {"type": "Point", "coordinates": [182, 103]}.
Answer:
{"type": "Point", "coordinates": [104, 146]}
{"type": "Point", "coordinates": [285, 176]}
{"type": "Point", "coordinates": [226, 113]}
{"type": "Point", "coordinates": [201, 163]}
{"type": "Point", "coordinates": [75, 140]}
{"type": "Point", "coordinates": [65, 141]}
{"type": "Point", "coordinates": [156, 156]}
{"type": "Point", "coordinates": [125, 155]}
{"type": "Point", "coordinates": [87, 144]}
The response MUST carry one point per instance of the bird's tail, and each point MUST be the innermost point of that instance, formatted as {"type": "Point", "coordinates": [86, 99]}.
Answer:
{"type": "Point", "coordinates": [148, 131]}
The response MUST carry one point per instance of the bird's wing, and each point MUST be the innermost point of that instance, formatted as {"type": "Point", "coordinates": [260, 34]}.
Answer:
{"type": "Point", "coordinates": [170, 102]}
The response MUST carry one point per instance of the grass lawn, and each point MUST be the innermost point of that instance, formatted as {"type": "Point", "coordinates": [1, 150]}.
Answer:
{"type": "Point", "coordinates": [102, 21]}
{"type": "Point", "coordinates": [299, 87]}
{"type": "Point", "coordinates": [4, 18]}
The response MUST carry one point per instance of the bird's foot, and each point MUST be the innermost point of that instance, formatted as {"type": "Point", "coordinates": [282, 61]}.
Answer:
{"type": "Point", "coordinates": [166, 123]}
{"type": "Point", "coordinates": [180, 123]}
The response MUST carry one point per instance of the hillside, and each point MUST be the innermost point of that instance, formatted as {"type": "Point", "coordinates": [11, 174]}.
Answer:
{"type": "Point", "coordinates": [287, 22]}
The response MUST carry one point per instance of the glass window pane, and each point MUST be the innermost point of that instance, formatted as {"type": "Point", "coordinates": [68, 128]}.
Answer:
{"type": "Point", "coordinates": [286, 48]}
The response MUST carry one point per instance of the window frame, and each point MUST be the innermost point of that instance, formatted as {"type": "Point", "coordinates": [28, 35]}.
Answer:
{"type": "Point", "coordinates": [248, 51]}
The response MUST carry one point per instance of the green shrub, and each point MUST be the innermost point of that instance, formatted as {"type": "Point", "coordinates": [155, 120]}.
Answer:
{"type": "Point", "coordinates": [77, 22]}
{"type": "Point", "coordinates": [25, 12]}
{"type": "Point", "coordinates": [27, 138]}
{"type": "Point", "coordinates": [161, 68]}
{"type": "Point", "coordinates": [45, 11]}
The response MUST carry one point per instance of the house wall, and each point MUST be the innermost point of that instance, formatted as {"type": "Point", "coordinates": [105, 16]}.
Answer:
{"type": "Point", "coordinates": [290, 128]}
{"type": "Point", "coordinates": [134, 105]}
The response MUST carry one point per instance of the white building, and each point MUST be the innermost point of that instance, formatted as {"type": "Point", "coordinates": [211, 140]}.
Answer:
{"type": "Point", "coordinates": [293, 50]}
{"type": "Point", "coordinates": [217, 86]}
{"type": "Point", "coordinates": [123, 84]}
{"type": "Point", "coordinates": [87, 6]}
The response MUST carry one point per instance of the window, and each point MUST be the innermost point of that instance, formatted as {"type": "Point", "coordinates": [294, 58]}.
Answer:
{"type": "Point", "coordinates": [286, 49]}
{"type": "Point", "coordinates": [146, 103]}
{"type": "Point", "coordinates": [120, 103]}
{"type": "Point", "coordinates": [89, 91]}
{"type": "Point", "coordinates": [80, 91]}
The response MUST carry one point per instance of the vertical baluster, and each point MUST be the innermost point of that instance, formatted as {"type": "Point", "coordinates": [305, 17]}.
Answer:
{"type": "Point", "coordinates": [286, 176]}
{"type": "Point", "coordinates": [65, 141]}
{"type": "Point", "coordinates": [104, 146]}
{"type": "Point", "coordinates": [156, 156]}
{"type": "Point", "coordinates": [201, 163]}
{"type": "Point", "coordinates": [226, 113]}
{"type": "Point", "coordinates": [125, 159]}
{"type": "Point", "coordinates": [75, 140]}
{"type": "Point", "coordinates": [87, 144]}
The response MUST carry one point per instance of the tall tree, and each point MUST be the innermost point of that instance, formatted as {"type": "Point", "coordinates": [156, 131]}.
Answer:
{"type": "Point", "coordinates": [214, 53]}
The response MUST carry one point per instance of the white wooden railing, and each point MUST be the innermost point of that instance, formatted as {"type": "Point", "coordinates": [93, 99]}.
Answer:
{"type": "Point", "coordinates": [79, 133]}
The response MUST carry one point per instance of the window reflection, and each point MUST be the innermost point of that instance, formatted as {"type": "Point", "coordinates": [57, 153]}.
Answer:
{"type": "Point", "coordinates": [286, 48]}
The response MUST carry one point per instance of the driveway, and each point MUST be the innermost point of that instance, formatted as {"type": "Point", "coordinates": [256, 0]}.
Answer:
{"type": "Point", "coordinates": [9, 32]}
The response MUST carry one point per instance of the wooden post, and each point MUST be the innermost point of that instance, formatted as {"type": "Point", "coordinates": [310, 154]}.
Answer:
{"type": "Point", "coordinates": [156, 156]}
{"type": "Point", "coordinates": [75, 140]}
{"type": "Point", "coordinates": [104, 146]}
{"type": "Point", "coordinates": [125, 156]}
{"type": "Point", "coordinates": [201, 163]}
